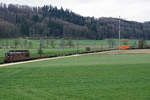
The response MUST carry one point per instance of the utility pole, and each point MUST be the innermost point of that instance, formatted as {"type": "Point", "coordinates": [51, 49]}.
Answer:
{"type": "Point", "coordinates": [119, 32]}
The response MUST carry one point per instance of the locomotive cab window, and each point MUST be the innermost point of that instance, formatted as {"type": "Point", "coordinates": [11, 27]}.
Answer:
{"type": "Point", "coordinates": [8, 54]}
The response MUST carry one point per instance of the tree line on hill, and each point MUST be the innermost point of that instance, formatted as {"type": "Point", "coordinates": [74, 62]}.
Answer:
{"type": "Point", "coordinates": [49, 21]}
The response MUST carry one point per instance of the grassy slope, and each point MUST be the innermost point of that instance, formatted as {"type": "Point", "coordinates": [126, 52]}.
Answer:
{"type": "Point", "coordinates": [92, 77]}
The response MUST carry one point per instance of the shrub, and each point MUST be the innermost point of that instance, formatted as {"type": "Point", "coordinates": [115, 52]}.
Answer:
{"type": "Point", "coordinates": [142, 44]}
{"type": "Point", "coordinates": [40, 52]}
{"type": "Point", "coordinates": [70, 43]}
{"type": "Point", "coordinates": [88, 49]}
{"type": "Point", "coordinates": [52, 43]}
{"type": "Point", "coordinates": [30, 45]}
{"type": "Point", "coordinates": [111, 43]}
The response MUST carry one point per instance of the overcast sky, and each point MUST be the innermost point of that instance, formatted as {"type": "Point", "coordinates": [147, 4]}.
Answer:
{"type": "Point", "coordinates": [136, 10]}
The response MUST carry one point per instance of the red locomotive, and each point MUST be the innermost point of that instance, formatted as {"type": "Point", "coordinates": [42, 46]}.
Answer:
{"type": "Point", "coordinates": [17, 55]}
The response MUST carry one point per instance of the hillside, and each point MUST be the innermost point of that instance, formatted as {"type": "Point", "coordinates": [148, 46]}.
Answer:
{"type": "Point", "coordinates": [20, 20]}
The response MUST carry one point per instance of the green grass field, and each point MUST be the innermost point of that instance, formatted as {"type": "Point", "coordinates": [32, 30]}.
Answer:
{"type": "Point", "coordinates": [46, 52]}
{"type": "Point", "coordinates": [91, 77]}
{"type": "Point", "coordinates": [36, 43]}
{"type": "Point", "coordinates": [49, 51]}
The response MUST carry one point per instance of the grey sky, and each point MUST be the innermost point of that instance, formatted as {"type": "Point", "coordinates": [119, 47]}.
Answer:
{"type": "Point", "coordinates": [137, 10]}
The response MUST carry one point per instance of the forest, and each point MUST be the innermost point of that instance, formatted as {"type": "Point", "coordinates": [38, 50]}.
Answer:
{"type": "Point", "coordinates": [50, 21]}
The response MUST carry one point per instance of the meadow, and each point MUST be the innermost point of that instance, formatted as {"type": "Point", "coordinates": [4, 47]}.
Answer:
{"type": "Point", "coordinates": [77, 46]}
{"type": "Point", "coordinates": [90, 77]}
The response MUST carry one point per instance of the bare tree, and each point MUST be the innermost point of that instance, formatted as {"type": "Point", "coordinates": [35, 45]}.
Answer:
{"type": "Point", "coordinates": [142, 44]}
{"type": "Point", "coordinates": [30, 44]}
{"type": "Point", "coordinates": [111, 43]}
{"type": "Point", "coordinates": [1, 44]}
{"type": "Point", "coordinates": [70, 43]}
{"type": "Point", "coordinates": [6, 44]}
{"type": "Point", "coordinates": [47, 43]}
{"type": "Point", "coordinates": [16, 43]}
{"type": "Point", "coordinates": [52, 43]}
{"type": "Point", "coordinates": [25, 43]}
{"type": "Point", "coordinates": [40, 51]}
{"type": "Point", "coordinates": [135, 44]}
{"type": "Point", "coordinates": [62, 45]}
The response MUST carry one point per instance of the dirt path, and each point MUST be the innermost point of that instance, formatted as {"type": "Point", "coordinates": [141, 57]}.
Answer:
{"type": "Point", "coordinates": [16, 63]}
{"type": "Point", "coordinates": [136, 51]}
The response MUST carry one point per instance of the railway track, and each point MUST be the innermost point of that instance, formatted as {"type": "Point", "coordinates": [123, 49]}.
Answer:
{"type": "Point", "coordinates": [134, 51]}
{"type": "Point", "coordinates": [49, 58]}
